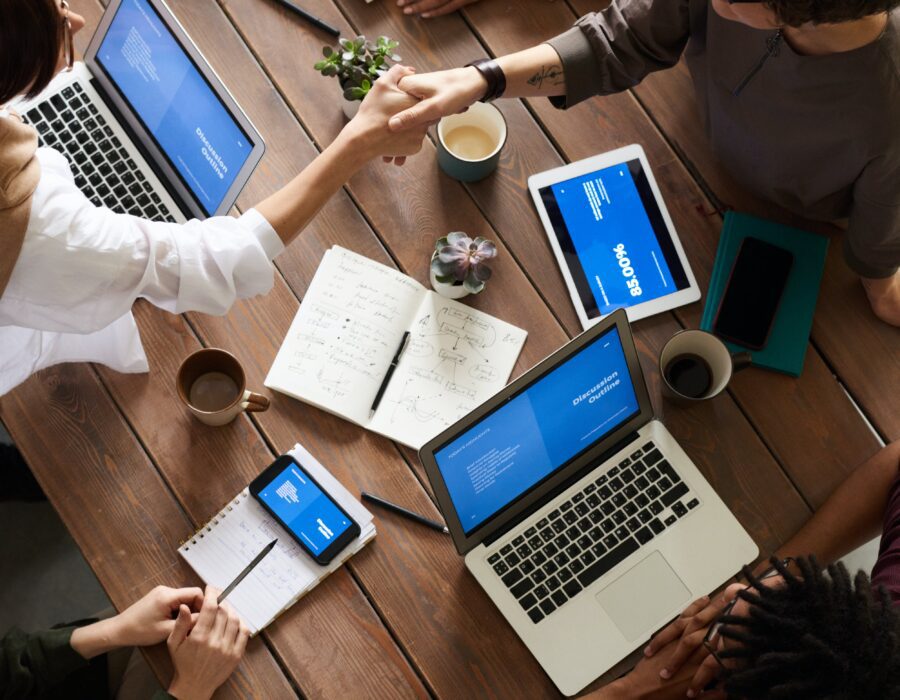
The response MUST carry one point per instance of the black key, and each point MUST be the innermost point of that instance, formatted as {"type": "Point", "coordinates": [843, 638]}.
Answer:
{"type": "Point", "coordinates": [633, 525]}
{"type": "Point", "coordinates": [641, 500]}
{"type": "Point", "coordinates": [43, 127]}
{"type": "Point", "coordinates": [527, 567]}
{"type": "Point", "coordinates": [628, 476]}
{"type": "Point", "coordinates": [613, 472]}
{"type": "Point", "coordinates": [93, 110]}
{"type": "Point", "coordinates": [128, 203]}
{"type": "Point", "coordinates": [598, 550]}
{"type": "Point", "coordinates": [33, 115]}
{"type": "Point", "coordinates": [573, 533]}
{"type": "Point", "coordinates": [653, 474]}
{"type": "Point", "coordinates": [569, 517]}
{"type": "Point", "coordinates": [595, 534]}
{"type": "Point", "coordinates": [553, 583]}
{"type": "Point", "coordinates": [558, 526]}
{"type": "Point", "coordinates": [121, 167]}
{"type": "Point", "coordinates": [120, 192]}
{"type": "Point", "coordinates": [618, 517]}
{"type": "Point", "coordinates": [679, 509]}
{"type": "Point", "coordinates": [621, 532]}
{"type": "Point", "coordinates": [512, 560]}
{"type": "Point", "coordinates": [494, 558]}
{"type": "Point", "coordinates": [111, 202]}
{"type": "Point", "coordinates": [47, 110]}
{"type": "Point", "coordinates": [667, 470]}
{"type": "Point", "coordinates": [151, 211]}
{"type": "Point", "coordinates": [143, 201]}
{"type": "Point", "coordinates": [671, 519]}
{"type": "Point", "coordinates": [559, 597]}
{"type": "Point", "coordinates": [522, 587]}
{"type": "Point", "coordinates": [59, 102]}
{"type": "Point", "coordinates": [625, 462]}
{"type": "Point", "coordinates": [541, 591]}
{"type": "Point", "coordinates": [524, 551]}
{"type": "Point", "coordinates": [644, 535]}
{"type": "Point", "coordinates": [536, 542]}
{"type": "Point", "coordinates": [610, 541]}
{"type": "Point", "coordinates": [539, 558]}
{"type": "Point", "coordinates": [561, 541]}
{"type": "Point", "coordinates": [112, 180]}
{"type": "Point", "coordinates": [645, 516]}
{"type": "Point", "coordinates": [564, 575]}
{"type": "Point", "coordinates": [572, 550]}
{"type": "Point", "coordinates": [106, 130]}
{"type": "Point", "coordinates": [512, 577]}
{"type": "Point", "coordinates": [618, 500]}
{"type": "Point", "coordinates": [693, 503]}
{"type": "Point", "coordinates": [635, 455]}
{"type": "Point", "coordinates": [128, 178]}
{"type": "Point", "coordinates": [657, 526]}
{"type": "Point", "coordinates": [554, 514]}
{"type": "Point", "coordinates": [536, 615]}
{"type": "Point", "coordinates": [595, 516]}
{"type": "Point", "coordinates": [578, 498]}
{"type": "Point", "coordinates": [630, 507]}
{"type": "Point", "coordinates": [131, 163]}
{"type": "Point", "coordinates": [608, 525]}
{"type": "Point", "coordinates": [88, 192]}
{"type": "Point", "coordinates": [602, 480]}
{"type": "Point", "coordinates": [616, 484]}
{"type": "Point", "coordinates": [584, 524]}
{"type": "Point", "coordinates": [65, 137]}
{"type": "Point", "coordinates": [572, 588]}
{"type": "Point", "coordinates": [638, 468]}
{"type": "Point", "coordinates": [652, 492]}
{"type": "Point", "coordinates": [648, 446]}
{"type": "Point", "coordinates": [586, 558]}
{"type": "Point", "coordinates": [530, 532]}
{"type": "Point", "coordinates": [605, 492]}
{"type": "Point", "coordinates": [83, 115]}
{"type": "Point", "coordinates": [500, 568]}
{"type": "Point", "coordinates": [607, 562]}
{"type": "Point", "coordinates": [590, 488]}
{"type": "Point", "coordinates": [550, 549]}
{"type": "Point", "coordinates": [561, 559]}
{"type": "Point", "coordinates": [565, 506]}
{"type": "Point", "coordinates": [116, 142]}
{"type": "Point", "coordinates": [113, 157]}
{"type": "Point", "coordinates": [90, 125]}
{"type": "Point", "coordinates": [593, 500]}
{"type": "Point", "coordinates": [652, 457]}
{"type": "Point", "coordinates": [78, 88]}
{"type": "Point", "coordinates": [582, 508]}
{"type": "Point", "coordinates": [549, 568]}
{"type": "Point", "coordinates": [548, 606]}
{"type": "Point", "coordinates": [673, 495]}
{"type": "Point", "coordinates": [538, 576]}
{"type": "Point", "coordinates": [80, 182]}
{"type": "Point", "coordinates": [97, 135]}
{"type": "Point", "coordinates": [584, 542]}
{"type": "Point", "coordinates": [505, 549]}
{"type": "Point", "coordinates": [576, 566]}
{"type": "Point", "coordinates": [527, 601]}
{"type": "Point", "coordinates": [664, 484]}
{"type": "Point", "coordinates": [607, 508]}
{"type": "Point", "coordinates": [88, 169]}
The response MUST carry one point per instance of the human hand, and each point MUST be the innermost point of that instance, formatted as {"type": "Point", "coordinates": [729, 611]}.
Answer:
{"type": "Point", "coordinates": [150, 620]}
{"type": "Point", "coordinates": [431, 8]}
{"type": "Point", "coordinates": [884, 297]}
{"type": "Point", "coordinates": [441, 94]}
{"type": "Point", "coordinates": [205, 653]}
{"type": "Point", "coordinates": [369, 128]}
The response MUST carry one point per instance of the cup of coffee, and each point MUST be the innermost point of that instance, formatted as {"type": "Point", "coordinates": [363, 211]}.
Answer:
{"type": "Point", "coordinates": [696, 365]}
{"type": "Point", "coordinates": [211, 383]}
{"type": "Point", "coordinates": [469, 144]}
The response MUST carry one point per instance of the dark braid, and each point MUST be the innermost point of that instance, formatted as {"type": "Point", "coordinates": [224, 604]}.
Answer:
{"type": "Point", "coordinates": [821, 636]}
{"type": "Point", "coordinates": [797, 12]}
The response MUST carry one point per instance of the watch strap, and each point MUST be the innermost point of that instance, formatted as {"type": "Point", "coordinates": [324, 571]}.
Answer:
{"type": "Point", "coordinates": [493, 74]}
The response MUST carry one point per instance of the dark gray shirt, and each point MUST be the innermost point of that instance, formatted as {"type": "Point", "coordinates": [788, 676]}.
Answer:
{"type": "Point", "coordinates": [818, 135]}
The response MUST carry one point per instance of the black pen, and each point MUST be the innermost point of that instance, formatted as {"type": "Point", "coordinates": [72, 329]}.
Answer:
{"type": "Point", "coordinates": [247, 569]}
{"type": "Point", "coordinates": [390, 373]}
{"type": "Point", "coordinates": [400, 510]}
{"type": "Point", "coordinates": [312, 19]}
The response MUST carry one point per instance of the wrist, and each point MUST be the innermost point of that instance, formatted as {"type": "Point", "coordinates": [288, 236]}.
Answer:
{"type": "Point", "coordinates": [475, 84]}
{"type": "Point", "coordinates": [181, 690]}
{"type": "Point", "coordinates": [354, 146]}
{"type": "Point", "coordinates": [97, 638]}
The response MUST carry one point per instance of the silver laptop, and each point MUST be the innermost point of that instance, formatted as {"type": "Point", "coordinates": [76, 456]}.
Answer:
{"type": "Point", "coordinates": [578, 512]}
{"type": "Point", "coordinates": [146, 124]}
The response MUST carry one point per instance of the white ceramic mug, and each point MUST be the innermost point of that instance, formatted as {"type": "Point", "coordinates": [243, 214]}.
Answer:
{"type": "Point", "coordinates": [484, 117]}
{"type": "Point", "coordinates": [720, 364]}
{"type": "Point", "coordinates": [224, 374]}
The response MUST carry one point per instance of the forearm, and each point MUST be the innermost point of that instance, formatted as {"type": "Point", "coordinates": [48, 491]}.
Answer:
{"type": "Point", "coordinates": [852, 515]}
{"type": "Point", "coordinates": [97, 638]}
{"type": "Point", "coordinates": [534, 72]}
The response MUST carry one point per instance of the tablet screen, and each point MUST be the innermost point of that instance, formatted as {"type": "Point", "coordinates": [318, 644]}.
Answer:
{"type": "Point", "coordinates": [613, 238]}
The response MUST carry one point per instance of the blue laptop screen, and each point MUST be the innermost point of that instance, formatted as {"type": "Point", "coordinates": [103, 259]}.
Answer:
{"type": "Point", "coordinates": [538, 431]}
{"type": "Point", "coordinates": [202, 141]}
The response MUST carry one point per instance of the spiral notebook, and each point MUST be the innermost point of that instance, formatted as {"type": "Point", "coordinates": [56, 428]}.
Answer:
{"type": "Point", "coordinates": [221, 549]}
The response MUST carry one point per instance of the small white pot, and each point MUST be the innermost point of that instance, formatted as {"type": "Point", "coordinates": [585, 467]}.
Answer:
{"type": "Point", "coordinates": [349, 107]}
{"type": "Point", "coordinates": [450, 291]}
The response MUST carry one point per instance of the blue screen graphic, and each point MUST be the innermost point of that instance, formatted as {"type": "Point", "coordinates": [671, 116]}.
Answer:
{"type": "Point", "coordinates": [614, 239]}
{"type": "Point", "coordinates": [191, 125]}
{"type": "Point", "coordinates": [537, 432]}
{"type": "Point", "coordinates": [304, 509]}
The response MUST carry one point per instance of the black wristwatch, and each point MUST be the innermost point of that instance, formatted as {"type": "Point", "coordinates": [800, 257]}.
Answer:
{"type": "Point", "coordinates": [494, 75]}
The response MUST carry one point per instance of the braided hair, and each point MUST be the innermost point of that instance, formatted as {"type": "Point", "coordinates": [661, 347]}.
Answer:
{"type": "Point", "coordinates": [819, 636]}
{"type": "Point", "coordinates": [797, 12]}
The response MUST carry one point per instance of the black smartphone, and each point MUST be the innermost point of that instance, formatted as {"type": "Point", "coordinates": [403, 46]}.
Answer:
{"type": "Point", "coordinates": [309, 514]}
{"type": "Point", "coordinates": [753, 293]}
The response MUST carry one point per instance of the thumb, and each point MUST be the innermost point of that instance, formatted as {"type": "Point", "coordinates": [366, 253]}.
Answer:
{"type": "Point", "coordinates": [418, 115]}
{"type": "Point", "coordinates": [183, 624]}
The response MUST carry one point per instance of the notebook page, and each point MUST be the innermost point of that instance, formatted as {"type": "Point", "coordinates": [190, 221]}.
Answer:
{"type": "Point", "coordinates": [456, 359]}
{"type": "Point", "coordinates": [345, 334]}
{"type": "Point", "coordinates": [222, 548]}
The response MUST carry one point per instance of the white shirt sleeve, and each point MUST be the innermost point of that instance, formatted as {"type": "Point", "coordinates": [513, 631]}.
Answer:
{"type": "Point", "coordinates": [82, 267]}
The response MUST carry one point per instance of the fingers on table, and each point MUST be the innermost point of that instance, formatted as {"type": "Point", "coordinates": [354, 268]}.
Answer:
{"type": "Point", "coordinates": [673, 630]}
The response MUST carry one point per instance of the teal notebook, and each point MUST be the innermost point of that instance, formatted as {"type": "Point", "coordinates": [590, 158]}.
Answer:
{"type": "Point", "coordinates": [786, 348]}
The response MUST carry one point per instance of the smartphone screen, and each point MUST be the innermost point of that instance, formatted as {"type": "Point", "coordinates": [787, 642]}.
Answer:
{"type": "Point", "coordinates": [304, 509]}
{"type": "Point", "coordinates": [753, 293]}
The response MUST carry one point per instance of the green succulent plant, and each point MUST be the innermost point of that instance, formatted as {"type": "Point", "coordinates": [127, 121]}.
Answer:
{"type": "Point", "coordinates": [458, 259]}
{"type": "Point", "coordinates": [357, 63]}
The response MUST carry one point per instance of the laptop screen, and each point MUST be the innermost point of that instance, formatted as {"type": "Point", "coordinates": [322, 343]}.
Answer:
{"type": "Point", "coordinates": [538, 431]}
{"type": "Point", "coordinates": [168, 93]}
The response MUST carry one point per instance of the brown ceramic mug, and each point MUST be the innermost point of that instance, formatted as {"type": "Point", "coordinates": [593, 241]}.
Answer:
{"type": "Point", "coordinates": [212, 384]}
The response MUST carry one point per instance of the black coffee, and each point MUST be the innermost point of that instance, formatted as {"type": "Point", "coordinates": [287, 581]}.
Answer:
{"type": "Point", "coordinates": [689, 375]}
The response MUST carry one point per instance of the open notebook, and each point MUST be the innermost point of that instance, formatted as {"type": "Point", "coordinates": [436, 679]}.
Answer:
{"type": "Point", "coordinates": [221, 549]}
{"type": "Point", "coordinates": [348, 329]}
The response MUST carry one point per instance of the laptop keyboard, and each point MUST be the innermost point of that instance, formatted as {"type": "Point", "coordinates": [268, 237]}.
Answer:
{"type": "Point", "coordinates": [597, 528]}
{"type": "Point", "coordinates": [103, 168]}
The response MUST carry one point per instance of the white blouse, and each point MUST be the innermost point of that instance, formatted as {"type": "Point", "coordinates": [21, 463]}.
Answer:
{"type": "Point", "coordinates": [81, 268]}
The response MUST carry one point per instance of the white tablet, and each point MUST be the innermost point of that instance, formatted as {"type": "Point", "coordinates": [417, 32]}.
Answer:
{"type": "Point", "coordinates": [613, 237]}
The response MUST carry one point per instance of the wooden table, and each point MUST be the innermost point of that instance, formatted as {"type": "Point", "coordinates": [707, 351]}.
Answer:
{"type": "Point", "coordinates": [131, 473]}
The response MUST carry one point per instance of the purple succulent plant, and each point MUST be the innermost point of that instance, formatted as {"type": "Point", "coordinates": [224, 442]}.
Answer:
{"type": "Point", "coordinates": [460, 260]}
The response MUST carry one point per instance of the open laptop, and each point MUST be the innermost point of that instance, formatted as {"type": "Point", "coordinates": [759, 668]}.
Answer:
{"type": "Point", "coordinates": [146, 124]}
{"type": "Point", "coordinates": [578, 512]}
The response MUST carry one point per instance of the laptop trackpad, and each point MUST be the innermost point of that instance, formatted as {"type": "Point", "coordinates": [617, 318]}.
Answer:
{"type": "Point", "coordinates": [644, 597]}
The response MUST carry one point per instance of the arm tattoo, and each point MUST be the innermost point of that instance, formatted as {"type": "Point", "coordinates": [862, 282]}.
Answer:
{"type": "Point", "coordinates": [552, 74]}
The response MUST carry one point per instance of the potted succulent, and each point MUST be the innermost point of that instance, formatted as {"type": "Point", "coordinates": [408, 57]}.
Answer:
{"type": "Point", "coordinates": [357, 63]}
{"type": "Point", "coordinates": [459, 264]}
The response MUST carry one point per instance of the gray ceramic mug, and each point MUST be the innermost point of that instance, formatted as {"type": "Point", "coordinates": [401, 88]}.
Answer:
{"type": "Point", "coordinates": [469, 144]}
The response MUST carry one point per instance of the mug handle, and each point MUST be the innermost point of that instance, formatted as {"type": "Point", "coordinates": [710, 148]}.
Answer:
{"type": "Point", "coordinates": [741, 360]}
{"type": "Point", "coordinates": [254, 403]}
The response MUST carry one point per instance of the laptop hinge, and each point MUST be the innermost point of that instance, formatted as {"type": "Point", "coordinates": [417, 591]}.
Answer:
{"type": "Point", "coordinates": [580, 474]}
{"type": "Point", "coordinates": [133, 135]}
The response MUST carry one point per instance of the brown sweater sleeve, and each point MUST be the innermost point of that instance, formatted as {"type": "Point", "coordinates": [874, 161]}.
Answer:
{"type": "Point", "coordinates": [610, 51]}
{"type": "Point", "coordinates": [872, 243]}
